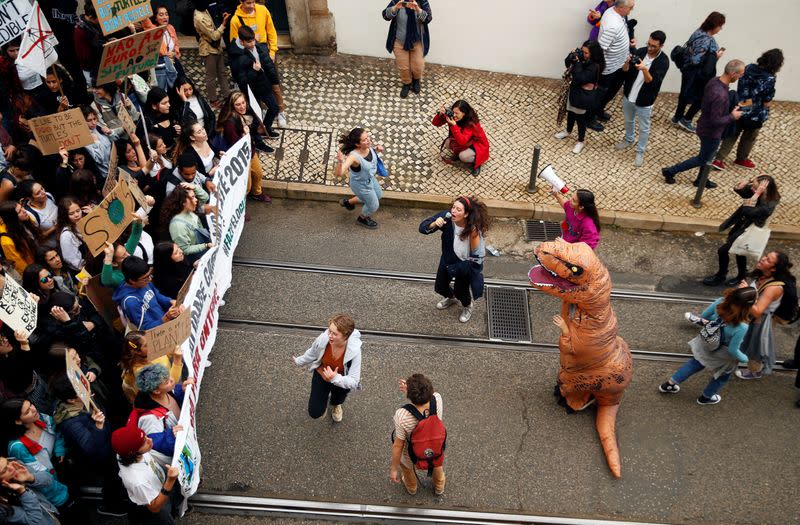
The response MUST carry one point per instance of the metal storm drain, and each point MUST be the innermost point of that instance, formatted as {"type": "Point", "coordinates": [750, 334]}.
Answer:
{"type": "Point", "coordinates": [541, 231]}
{"type": "Point", "coordinates": [300, 156]}
{"type": "Point", "coordinates": [509, 319]}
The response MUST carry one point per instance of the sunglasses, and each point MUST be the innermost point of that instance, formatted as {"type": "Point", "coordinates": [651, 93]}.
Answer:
{"type": "Point", "coordinates": [46, 278]}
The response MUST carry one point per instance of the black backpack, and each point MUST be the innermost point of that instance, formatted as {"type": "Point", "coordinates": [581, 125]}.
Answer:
{"type": "Point", "coordinates": [678, 56]}
{"type": "Point", "coordinates": [789, 310]}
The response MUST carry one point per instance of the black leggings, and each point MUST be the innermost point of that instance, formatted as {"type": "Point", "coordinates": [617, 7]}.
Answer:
{"type": "Point", "coordinates": [321, 390]}
{"type": "Point", "coordinates": [725, 259]}
{"type": "Point", "coordinates": [460, 289]}
{"type": "Point", "coordinates": [572, 118]}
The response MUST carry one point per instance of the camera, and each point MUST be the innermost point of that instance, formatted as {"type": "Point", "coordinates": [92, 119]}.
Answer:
{"type": "Point", "coordinates": [576, 55]}
{"type": "Point", "coordinates": [635, 60]}
{"type": "Point", "coordinates": [449, 113]}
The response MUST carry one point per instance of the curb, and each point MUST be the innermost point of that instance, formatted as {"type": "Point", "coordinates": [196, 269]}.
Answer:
{"type": "Point", "coordinates": [518, 210]}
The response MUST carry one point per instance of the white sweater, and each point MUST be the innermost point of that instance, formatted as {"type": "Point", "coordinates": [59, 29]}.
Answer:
{"type": "Point", "coordinates": [613, 39]}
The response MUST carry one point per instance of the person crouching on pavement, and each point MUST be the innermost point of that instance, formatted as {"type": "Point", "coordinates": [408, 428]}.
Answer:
{"type": "Point", "coordinates": [644, 72]}
{"type": "Point", "coordinates": [466, 139]}
{"type": "Point", "coordinates": [334, 360]}
{"type": "Point", "coordinates": [409, 42]}
{"type": "Point", "coordinates": [463, 250]}
{"type": "Point", "coordinates": [581, 222]}
{"type": "Point", "coordinates": [361, 162]}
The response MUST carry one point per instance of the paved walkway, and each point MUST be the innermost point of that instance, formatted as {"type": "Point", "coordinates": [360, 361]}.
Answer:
{"type": "Point", "coordinates": [335, 94]}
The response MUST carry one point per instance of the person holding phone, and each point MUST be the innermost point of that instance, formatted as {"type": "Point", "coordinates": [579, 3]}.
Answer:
{"type": "Point", "coordinates": [409, 40]}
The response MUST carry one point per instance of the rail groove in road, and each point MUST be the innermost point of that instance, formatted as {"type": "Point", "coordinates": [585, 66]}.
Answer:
{"type": "Point", "coordinates": [664, 297]}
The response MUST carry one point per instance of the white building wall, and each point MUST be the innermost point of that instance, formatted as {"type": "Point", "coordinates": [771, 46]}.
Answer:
{"type": "Point", "coordinates": [532, 37]}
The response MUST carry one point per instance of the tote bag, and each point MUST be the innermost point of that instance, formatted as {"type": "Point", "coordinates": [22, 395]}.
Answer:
{"type": "Point", "coordinates": [752, 242]}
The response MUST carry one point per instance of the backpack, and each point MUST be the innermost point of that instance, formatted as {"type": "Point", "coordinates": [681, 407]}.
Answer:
{"type": "Point", "coordinates": [678, 56]}
{"type": "Point", "coordinates": [711, 335]}
{"type": "Point", "coordinates": [788, 310]}
{"type": "Point", "coordinates": [428, 440]}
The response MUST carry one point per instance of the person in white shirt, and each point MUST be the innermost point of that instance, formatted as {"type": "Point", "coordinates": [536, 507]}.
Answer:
{"type": "Point", "coordinates": [644, 70]}
{"type": "Point", "coordinates": [615, 41]}
{"type": "Point", "coordinates": [152, 490]}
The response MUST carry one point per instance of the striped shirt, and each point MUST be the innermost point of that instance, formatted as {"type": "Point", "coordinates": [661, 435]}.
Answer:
{"type": "Point", "coordinates": [613, 40]}
{"type": "Point", "coordinates": [404, 425]}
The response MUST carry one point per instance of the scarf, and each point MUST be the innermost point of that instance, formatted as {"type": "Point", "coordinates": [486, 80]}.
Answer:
{"type": "Point", "coordinates": [412, 29]}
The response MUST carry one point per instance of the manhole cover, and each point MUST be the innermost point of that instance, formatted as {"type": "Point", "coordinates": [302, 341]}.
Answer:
{"type": "Point", "coordinates": [542, 230]}
{"type": "Point", "coordinates": [509, 319]}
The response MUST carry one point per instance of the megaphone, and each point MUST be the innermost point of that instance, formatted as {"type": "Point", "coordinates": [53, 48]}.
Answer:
{"type": "Point", "coordinates": [549, 174]}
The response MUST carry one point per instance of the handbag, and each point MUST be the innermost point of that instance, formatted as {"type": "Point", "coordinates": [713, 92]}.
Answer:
{"type": "Point", "coordinates": [751, 242]}
{"type": "Point", "coordinates": [382, 171]}
{"type": "Point", "coordinates": [711, 336]}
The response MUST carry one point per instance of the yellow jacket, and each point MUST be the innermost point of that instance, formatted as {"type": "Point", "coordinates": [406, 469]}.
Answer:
{"type": "Point", "coordinates": [204, 26]}
{"type": "Point", "coordinates": [12, 254]}
{"type": "Point", "coordinates": [260, 21]}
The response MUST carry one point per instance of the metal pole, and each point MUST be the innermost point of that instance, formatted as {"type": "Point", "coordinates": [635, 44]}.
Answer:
{"type": "Point", "coordinates": [537, 151]}
{"type": "Point", "coordinates": [701, 184]}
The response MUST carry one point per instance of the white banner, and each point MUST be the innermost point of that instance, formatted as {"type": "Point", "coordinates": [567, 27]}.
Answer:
{"type": "Point", "coordinates": [212, 278]}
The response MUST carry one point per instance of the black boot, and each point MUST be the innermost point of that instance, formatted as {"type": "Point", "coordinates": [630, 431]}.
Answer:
{"type": "Point", "coordinates": [415, 86]}
{"type": "Point", "coordinates": [404, 90]}
{"type": "Point", "coordinates": [714, 280]}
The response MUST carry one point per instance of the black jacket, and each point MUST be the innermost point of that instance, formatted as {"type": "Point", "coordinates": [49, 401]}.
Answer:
{"type": "Point", "coordinates": [649, 91]}
{"type": "Point", "coordinates": [184, 112]}
{"type": "Point", "coordinates": [747, 215]}
{"type": "Point", "coordinates": [241, 63]}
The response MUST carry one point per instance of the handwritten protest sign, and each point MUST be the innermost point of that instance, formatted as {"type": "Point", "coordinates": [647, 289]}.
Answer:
{"type": "Point", "coordinates": [67, 129]}
{"type": "Point", "coordinates": [17, 308]}
{"type": "Point", "coordinates": [14, 16]}
{"type": "Point", "coordinates": [114, 15]}
{"type": "Point", "coordinates": [101, 298]}
{"type": "Point", "coordinates": [113, 172]}
{"type": "Point", "coordinates": [129, 55]}
{"type": "Point", "coordinates": [81, 385]}
{"type": "Point", "coordinates": [109, 219]}
{"type": "Point", "coordinates": [125, 120]}
{"type": "Point", "coordinates": [136, 191]}
{"type": "Point", "coordinates": [163, 339]}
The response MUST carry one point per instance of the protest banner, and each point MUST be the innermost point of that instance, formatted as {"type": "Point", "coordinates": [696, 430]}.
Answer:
{"type": "Point", "coordinates": [212, 278]}
{"type": "Point", "coordinates": [114, 15]}
{"type": "Point", "coordinates": [14, 15]}
{"type": "Point", "coordinates": [129, 55]}
{"type": "Point", "coordinates": [81, 385]}
{"type": "Point", "coordinates": [101, 298]}
{"type": "Point", "coordinates": [108, 220]}
{"type": "Point", "coordinates": [17, 307]}
{"type": "Point", "coordinates": [125, 120]}
{"type": "Point", "coordinates": [67, 129]}
{"type": "Point", "coordinates": [113, 172]}
{"type": "Point", "coordinates": [37, 51]}
{"type": "Point", "coordinates": [164, 338]}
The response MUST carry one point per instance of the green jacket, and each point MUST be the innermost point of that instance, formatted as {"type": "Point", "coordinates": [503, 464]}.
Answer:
{"type": "Point", "coordinates": [112, 277]}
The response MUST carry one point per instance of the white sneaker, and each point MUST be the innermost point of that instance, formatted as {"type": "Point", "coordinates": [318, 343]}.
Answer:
{"type": "Point", "coordinates": [622, 145]}
{"type": "Point", "coordinates": [694, 319]}
{"type": "Point", "coordinates": [578, 148]}
{"type": "Point", "coordinates": [446, 303]}
{"type": "Point", "coordinates": [639, 160]}
{"type": "Point", "coordinates": [281, 120]}
{"type": "Point", "coordinates": [336, 413]}
{"type": "Point", "coordinates": [466, 313]}
{"type": "Point", "coordinates": [562, 134]}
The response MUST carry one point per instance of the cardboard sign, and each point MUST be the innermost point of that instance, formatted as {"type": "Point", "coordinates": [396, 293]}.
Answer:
{"type": "Point", "coordinates": [67, 129]}
{"type": "Point", "coordinates": [17, 307]}
{"type": "Point", "coordinates": [81, 385]}
{"type": "Point", "coordinates": [101, 298]}
{"type": "Point", "coordinates": [114, 15]}
{"type": "Point", "coordinates": [163, 339]}
{"type": "Point", "coordinates": [113, 172]}
{"type": "Point", "coordinates": [109, 219]}
{"type": "Point", "coordinates": [129, 55]}
{"type": "Point", "coordinates": [125, 120]}
{"type": "Point", "coordinates": [14, 15]}
{"type": "Point", "coordinates": [136, 191]}
{"type": "Point", "coordinates": [184, 289]}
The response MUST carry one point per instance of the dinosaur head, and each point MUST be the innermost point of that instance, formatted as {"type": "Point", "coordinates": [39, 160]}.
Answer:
{"type": "Point", "coordinates": [569, 271]}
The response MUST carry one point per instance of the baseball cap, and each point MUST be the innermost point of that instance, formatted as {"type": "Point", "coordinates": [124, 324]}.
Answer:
{"type": "Point", "coordinates": [127, 441]}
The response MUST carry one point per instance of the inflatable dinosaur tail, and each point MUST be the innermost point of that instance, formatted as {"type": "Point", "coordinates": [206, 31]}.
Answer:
{"type": "Point", "coordinates": [606, 422]}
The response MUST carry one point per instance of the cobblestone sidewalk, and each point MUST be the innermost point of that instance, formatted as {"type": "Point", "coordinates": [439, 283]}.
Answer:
{"type": "Point", "coordinates": [335, 94]}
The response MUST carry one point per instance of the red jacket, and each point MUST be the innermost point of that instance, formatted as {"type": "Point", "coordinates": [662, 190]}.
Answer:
{"type": "Point", "coordinates": [463, 138]}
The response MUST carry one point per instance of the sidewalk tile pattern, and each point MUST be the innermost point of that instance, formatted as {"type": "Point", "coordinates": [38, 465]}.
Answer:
{"type": "Point", "coordinates": [335, 94]}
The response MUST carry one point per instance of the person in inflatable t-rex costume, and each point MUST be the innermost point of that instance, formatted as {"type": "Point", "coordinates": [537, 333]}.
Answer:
{"type": "Point", "coordinates": [595, 361]}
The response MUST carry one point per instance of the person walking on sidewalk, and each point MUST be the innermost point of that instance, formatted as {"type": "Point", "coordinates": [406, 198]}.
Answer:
{"type": "Point", "coordinates": [463, 251]}
{"type": "Point", "coordinates": [644, 72]}
{"type": "Point", "coordinates": [756, 89]}
{"type": "Point", "coordinates": [732, 310]}
{"type": "Point", "coordinates": [760, 196]}
{"type": "Point", "coordinates": [716, 116]}
{"type": "Point", "coordinates": [258, 18]}
{"type": "Point", "coordinates": [615, 41]}
{"type": "Point", "coordinates": [361, 162]}
{"type": "Point", "coordinates": [699, 66]}
{"type": "Point", "coordinates": [425, 404]}
{"type": "Point", "coordinates": [770, 278]}
{"type": "Point", "coordinates": [409, 40]}
{"type": "Point", "coordinates": [334, 360]}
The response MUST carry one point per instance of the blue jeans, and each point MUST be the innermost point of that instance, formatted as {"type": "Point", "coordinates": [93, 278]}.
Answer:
{"type": "Point", "coordinates": [691, 367]}
{"type": "Point", "coordinates": [370, 196]}
{"type": "Point", "coordinates": [708, 149]}
{"type": "Point", "coordinates": [632, 112]}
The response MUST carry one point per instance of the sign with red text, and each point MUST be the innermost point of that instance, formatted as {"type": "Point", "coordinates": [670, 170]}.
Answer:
{"type": "Point", "coordinates": [129, 55]}
{"type": "Point", "coordinates": [67, 129]}
{"type": "Point", "coordinates": [81, 385]}
{"type": "Point", "coordinates": [114, 15]}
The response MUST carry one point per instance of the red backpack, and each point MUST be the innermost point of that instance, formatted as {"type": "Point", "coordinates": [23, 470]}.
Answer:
{"type": "Point", "coordinates": [428, 439]}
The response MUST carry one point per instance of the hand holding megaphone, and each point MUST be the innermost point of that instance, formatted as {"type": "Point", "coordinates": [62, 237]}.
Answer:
{"type": "Point", "coordinates": [550, 176]}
